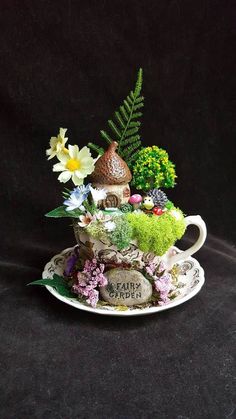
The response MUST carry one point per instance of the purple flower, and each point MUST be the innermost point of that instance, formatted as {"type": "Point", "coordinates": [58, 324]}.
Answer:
{"type": "Point", "coordinates": [70, 264]}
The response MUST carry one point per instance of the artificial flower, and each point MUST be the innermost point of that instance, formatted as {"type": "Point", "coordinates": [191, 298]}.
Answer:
{"type": "Point", "coordinates": [75, 165]}
{"type": "Point", "coordinates": [98, 194]}
{"type": "Point", "coordinates": [85, 219]}
{"type": "Point", "coordinates": [102, 217]}
{"type": "Point", "coordinates": [93, 297]}
{"type": "Point", "coordinates": [77, 197]}
{"type": "Point", "coordinates": [70, 264]}
{"type": "Point", "coordinates": [110, 225]}
{"type": "Point", "coordinates": [57, 144]}
{"type": "Point", "coordinates": [91, 277]}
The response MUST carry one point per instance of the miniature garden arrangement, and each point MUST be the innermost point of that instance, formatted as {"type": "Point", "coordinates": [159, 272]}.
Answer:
{"type": "Point", "coordinates": [125, 225]}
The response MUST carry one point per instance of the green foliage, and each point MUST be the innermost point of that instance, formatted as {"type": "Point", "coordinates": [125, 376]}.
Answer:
{"type": "Point", "coordinates": [57, 282]}
{"type": "Point", "coordinates": [153, 169]}
{"type": "Point", "coordinates": [126, 207]}
{"type": "Point", "coordinates": [124, 128]}
{"type": "Point", "coordinates": [96, 148]}
{"type": "Point", "coordinates": [122, 234]}
{"type": "Point", "coordinates": [169, 205]}
{"type": "Point", "coordinates": [97, 231]}
{"type": "Point", "coordinates": [156, 234]}
{"type": "Point", "coordinates": [61, 212]}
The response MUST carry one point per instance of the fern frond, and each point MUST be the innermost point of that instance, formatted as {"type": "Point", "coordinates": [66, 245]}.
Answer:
{"type": "Point", "coordinates": [131, 131]}
{"type": "Point", "coordinates": [106, 136]}
{"type": "Point", "coordinates": [124, 113]}
{"type": "Point", "coordinates": [132, 158]}
{"type": "Point", "coordinates": [129, 100]}
{"type": "Point", "coordinates": [127, 106]}
{"type": "Point", "coordinates": [119, 119]}
{"type": "Point", "coordinates": [134, 124]}
{"type": "Point", "coordinates": [136, 115]}
{"type": "Point", "coordinates": [125, 130]}
{"type": "Point", "coordinates": [133, 139]}
{"type": "Point", "coordinates": [139, 82]}
{"type": "Point", "coordinates": [96, 148]}
{"type": "Point", "coordinates": [138, 106]}
{"type": "Point", "coordinates": [114, 128]}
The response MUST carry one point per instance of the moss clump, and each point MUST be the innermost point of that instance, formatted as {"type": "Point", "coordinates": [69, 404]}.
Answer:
{"type": "Point", "coordinates": [157, 234]}
{"type": "Point", "coordinates": [122, 234]}
{"type": "Point", "coordinates": [97, 231]}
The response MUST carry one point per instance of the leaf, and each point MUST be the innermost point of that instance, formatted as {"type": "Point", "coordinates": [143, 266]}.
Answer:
{"type": "Point", "coordinates": [96, 148]}
{"type": "Point", "coordinates": [138, 106]}
{"type": "Point", "coordinates": [119, 119]}
{"type": "Point", "coordinates": [106, 137]}
{"type": "Point", "coordinates": [129, 100]}
{"type": "Point", "coordinates": [58, 283]}
{"type": "Point", "coordinates": [114, 128]}
{"type": "Point", "coordinates": [132, 139]}
{"type": "Point", "coordinates": [136, 115]}
{"type": "Point", "coordinates": [139, 83]}
{"type": "Point", "coordinates": [139, 99]}
{"type": "Point", "coordinates": [131, 131]}
{"type": "Point", "coordinates": [124, 113]}
{"type": "Point", "coordinates": [128, 108]}
{"type": "Point", "coordinates": [134, 124]}
{"type": "Point", "coordinates": [61, 212]}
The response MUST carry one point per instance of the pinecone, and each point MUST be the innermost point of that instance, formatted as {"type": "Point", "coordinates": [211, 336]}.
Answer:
{"type": "Point", "coordinates": [159, 197]}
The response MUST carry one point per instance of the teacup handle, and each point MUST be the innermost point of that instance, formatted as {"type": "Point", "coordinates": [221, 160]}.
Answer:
{"type": "Point", "coordinates": [197, 221]}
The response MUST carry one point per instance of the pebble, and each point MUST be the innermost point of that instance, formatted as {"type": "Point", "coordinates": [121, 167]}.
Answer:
{"type": "Point", "coordinates": [126, 287]}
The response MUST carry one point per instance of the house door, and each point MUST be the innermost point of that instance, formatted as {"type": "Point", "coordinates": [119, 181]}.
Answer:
{"type": "Point", "coordinates": [112, 200]}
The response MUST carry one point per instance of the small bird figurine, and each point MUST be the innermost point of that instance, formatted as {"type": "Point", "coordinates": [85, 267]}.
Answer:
{"type": "Point", "coordinates": [148, 202]}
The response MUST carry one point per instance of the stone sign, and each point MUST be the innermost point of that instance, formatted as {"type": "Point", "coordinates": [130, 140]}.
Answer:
{"type": "Point", "coordinates": [126, 287]}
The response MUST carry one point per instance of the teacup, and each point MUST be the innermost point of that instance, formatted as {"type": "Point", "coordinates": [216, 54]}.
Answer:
{"type": "Point", "coordinates": [111, 256]}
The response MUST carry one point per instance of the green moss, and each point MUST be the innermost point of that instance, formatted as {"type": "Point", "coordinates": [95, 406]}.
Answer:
{"type": "Point", "coordinates": [97, 231]}
{"type": "Point", "coordinates": [122, 235]}
{"type": "Point", "coordinates": [157, 233]}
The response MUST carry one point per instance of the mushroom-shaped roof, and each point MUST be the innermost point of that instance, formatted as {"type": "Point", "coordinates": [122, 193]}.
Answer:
{"type": "Point", "coordinates": [110, 169]}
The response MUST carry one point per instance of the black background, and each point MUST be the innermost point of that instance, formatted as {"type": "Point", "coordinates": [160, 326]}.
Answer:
{"type": "Point", "coordinates": [70, 64]}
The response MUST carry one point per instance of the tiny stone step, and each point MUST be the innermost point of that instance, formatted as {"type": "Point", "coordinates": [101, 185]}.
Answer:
{"type": "Point", "coordinates": [126, 287]}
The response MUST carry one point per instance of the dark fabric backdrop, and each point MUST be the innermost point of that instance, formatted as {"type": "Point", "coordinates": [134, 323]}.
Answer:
{"type": "Point", "coordinates": [70, 64]}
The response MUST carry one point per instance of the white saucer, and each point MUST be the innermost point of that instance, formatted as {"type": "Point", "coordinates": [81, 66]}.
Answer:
{"type": "Point", "coordinates": [190, 280]}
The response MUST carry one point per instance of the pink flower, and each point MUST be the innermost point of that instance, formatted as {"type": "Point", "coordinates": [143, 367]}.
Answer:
{"type": "Point", "coordinates": [85, 219]}
{"type": "Point", "coordinates": [93, 296]}
{"type": "Point", "coordinates": [91, 277]}
{"type": "Point", "coordinates": [150, 269]}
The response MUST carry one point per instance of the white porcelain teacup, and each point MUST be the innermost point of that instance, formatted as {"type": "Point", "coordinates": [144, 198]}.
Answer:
{"type": "Point", "coordinates": [110, 255]}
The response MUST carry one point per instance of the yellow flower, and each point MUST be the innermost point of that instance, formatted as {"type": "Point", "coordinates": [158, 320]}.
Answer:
{"type": "Point", "coordinates": [75, 165]}
{"type": "Point", "coordinates": [57, 144]}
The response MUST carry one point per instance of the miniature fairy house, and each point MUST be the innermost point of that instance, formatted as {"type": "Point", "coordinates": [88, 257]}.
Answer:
{"type": "Point", "coordinates": [112, 174]}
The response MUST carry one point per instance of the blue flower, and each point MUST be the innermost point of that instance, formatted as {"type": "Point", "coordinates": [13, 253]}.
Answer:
{"type": "Point", "coordinates": [77, 197]}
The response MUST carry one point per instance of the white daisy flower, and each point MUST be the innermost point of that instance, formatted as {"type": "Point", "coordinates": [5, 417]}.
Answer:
{"type": "Point", "coordinates": [75, 165]}
{"type": "Point", "coordinates": [57, 144]}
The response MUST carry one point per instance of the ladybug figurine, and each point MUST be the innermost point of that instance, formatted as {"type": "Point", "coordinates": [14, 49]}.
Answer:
{"type": "Point", "coordinates": [157, 211]}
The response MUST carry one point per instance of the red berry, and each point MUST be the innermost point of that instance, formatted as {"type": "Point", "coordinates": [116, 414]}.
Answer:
{"type": "Point", "coordinates": [157, 211]}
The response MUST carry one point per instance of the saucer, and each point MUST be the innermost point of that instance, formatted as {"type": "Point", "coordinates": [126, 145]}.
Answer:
{"type": "Point", "coordinates": [190, 282]}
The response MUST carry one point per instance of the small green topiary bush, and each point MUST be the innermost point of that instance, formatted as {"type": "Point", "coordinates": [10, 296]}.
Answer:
{"type": "Point", "coordinates": [157, 234]}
